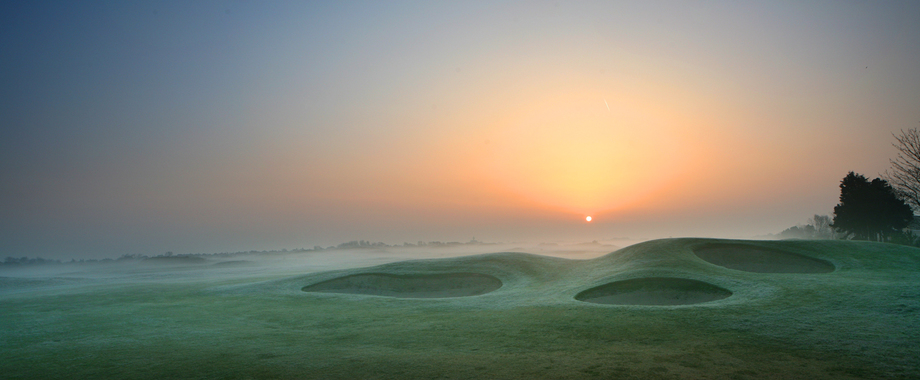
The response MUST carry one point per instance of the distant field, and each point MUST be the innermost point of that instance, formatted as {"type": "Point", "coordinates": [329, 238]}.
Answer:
{"type": "Point", "coordinates": [673, 308]}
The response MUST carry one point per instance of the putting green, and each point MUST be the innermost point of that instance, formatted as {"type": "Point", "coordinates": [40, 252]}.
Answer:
{"type": "Point", "coordinates": [443, 285]}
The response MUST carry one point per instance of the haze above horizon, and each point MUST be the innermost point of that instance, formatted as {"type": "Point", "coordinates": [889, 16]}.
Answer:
{"type": "Point", "coordinates": [216, 126]}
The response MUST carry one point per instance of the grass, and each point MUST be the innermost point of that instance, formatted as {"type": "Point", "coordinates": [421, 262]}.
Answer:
{"type": "Point", "coordinates": [860, 321]}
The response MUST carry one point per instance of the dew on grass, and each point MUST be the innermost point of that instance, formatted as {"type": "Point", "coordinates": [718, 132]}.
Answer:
{"type": "Point", "coordinates": [444, 285]}
{"type": "Point", "coordinates": [662, 291]}
{"type": "Point", "coordinates": [761, 260]}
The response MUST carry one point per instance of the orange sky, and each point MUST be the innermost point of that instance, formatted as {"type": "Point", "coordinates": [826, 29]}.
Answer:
{"type": "Point", "coordinates": [215, 126]}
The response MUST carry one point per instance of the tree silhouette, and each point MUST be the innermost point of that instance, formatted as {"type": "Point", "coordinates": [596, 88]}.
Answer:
{"type": "Point", "coordinates": [905, 170]}
{"type": "Point", "coordinates": [870, 210]}
{"type": "Point", "coordinates": [824, 227]}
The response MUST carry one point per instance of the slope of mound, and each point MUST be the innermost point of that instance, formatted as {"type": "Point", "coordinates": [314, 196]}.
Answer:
{"type": "Point", "coordinates": [233, 263]}
{"type": "Point", "coordinates": [442, 285]}
{"type": "Point", "coordinates": [761, 260]}
{"type": "Point", "coordinates": [654, 291]}
{"type": "Point", "coordinates": [860, 322]}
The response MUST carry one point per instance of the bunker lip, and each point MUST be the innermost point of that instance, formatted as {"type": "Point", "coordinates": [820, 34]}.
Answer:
{"type": "Point", "coordinates": [441, 285]}
{"type": "Point", "coordinates": [654, 291]}
{"type": "Point", "coordinates": [760, 260]}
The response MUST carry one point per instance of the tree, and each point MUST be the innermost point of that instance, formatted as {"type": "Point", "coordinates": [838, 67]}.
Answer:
{"type": "Point", "coordinates": [870, 210]}
{"type": "Point", "coordinates": [905, 170]}
{"type": "Point", "coordinates": [799, 232]}
{"type": "Point", "coordinates": [824, 227]}
{"type": "Point", "coordinates": [818, 227]}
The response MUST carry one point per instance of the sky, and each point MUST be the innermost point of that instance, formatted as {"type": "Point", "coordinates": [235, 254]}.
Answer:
{"type": "Point", "coordinates": [215, 126]}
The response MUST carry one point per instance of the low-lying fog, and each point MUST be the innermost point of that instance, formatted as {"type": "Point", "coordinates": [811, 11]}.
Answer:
{"type": "Point", "coordinates": [268, 264]}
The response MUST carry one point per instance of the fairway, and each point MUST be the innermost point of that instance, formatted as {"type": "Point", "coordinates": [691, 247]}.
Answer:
{"type": "Point", "coordinates": [663, 309]}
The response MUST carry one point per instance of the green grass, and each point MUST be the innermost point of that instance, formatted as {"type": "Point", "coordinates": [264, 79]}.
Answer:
{"type": "Point", "coordinates": [860, 321]}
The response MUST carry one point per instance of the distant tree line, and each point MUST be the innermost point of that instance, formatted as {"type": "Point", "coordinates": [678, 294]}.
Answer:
{"type": "Point", "coordinates": [878, 210]}
{"type": "Point", "coordinates": [870, 210]}
{"type": "Point", "coordinates": [28, 261]}
{"type": "Point", "coordinates": [818, 227]}
{"type": "Point", "coordinates": [199, 257]}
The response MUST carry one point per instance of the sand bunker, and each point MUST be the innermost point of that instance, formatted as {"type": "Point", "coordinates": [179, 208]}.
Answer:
{"type": "Point", "coordinates": [410, 286]}
{"type": "Point", "coordinates": [760, 260]}
{"type": "Point", "coordinates": [654, 291]}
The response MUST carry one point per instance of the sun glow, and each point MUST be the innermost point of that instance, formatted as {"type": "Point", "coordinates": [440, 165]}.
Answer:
{"type": "Point", "coordinates": [577, 156]}
{"type": "Point", "coordinates": [588, 219]}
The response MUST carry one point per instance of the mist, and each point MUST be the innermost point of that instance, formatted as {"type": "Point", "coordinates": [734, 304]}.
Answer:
{"type": "Point", "coordinates": [248, 266]}
{"type": "Point", "coordinates": [140, 129]}
{"type": "Point", "coordinates": [472, 189]}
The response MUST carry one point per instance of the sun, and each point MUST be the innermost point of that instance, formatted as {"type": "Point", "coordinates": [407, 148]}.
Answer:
{"type": "Point", "coordinates": [588, 219]}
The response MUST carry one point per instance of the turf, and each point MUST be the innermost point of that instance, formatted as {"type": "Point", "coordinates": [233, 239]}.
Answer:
{"type": "Point", "coordinates": [445, 285]}
{"type": "Point", "coordinates": [754, 259]}
{"type": "Point", "coordinates": [861, 320]}
{"type": "Point", "coordinates": [654, 291]}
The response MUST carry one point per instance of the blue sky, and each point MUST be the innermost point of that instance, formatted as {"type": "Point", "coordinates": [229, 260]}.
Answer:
{"type": "Point", "coordinates": [142, 127]}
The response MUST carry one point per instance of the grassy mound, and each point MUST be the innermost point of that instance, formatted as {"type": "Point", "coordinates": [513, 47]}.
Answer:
{"type": "Point", "coordinates": [443, 285]}
{"type": "Point", "coordinates": [654, 291]}
{"type": "Point", "coordinates": [760, 260]}
{"type": "Point", "coordinates": [860, 321]}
